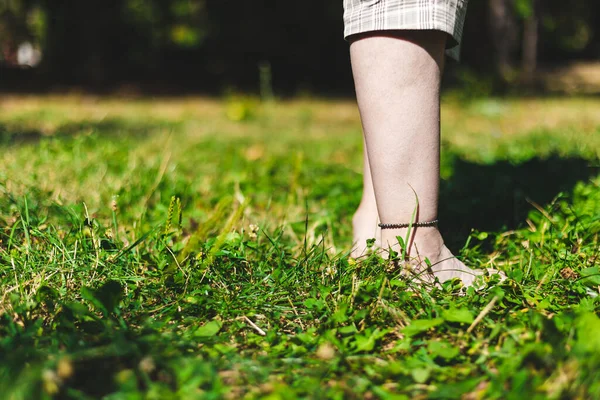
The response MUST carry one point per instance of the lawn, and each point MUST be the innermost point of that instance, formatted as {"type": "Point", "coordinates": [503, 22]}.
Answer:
{"type": "Point", "coordinates": [183, 248]}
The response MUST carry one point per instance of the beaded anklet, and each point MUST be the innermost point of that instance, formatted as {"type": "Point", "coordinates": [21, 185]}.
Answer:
{"type": "Point", "coordinates": [406, 225]}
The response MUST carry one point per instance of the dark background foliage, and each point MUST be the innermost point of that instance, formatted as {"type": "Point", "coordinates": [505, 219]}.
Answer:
{"type": "Point", "coordinates": [211, 45]}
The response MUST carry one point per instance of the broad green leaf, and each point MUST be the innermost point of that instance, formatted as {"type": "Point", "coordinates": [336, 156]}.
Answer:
{"type": "Point", "coordinates": [340, 316]}
{"type": "Point", "coordinates": [384, 394]}
{"type": "Point", "coordinates": [482, 235]}
{"type": "Point", "coordinates": [420, 375]}
{"type": "Point", "coordinates": [588, 327]}
{"type": "Point", "coordinates": [421, 325]}
{"type": "Point", "coordinates": [591, 275]}
{"type": "Point", "coordinates": [347, 329]}
{"type": "Point", "coordinates": [209, 329]}
{"type": "Point", "coordinates": [461, 315]}
{"type": "Point", "coordinates": [367, 340]}
{"type": "Point", "coordinates": [442, 349]}
{"type": "Point", "coordinates": [364, 343]}
{"type": "Point", "coordinates": [516, 275]}
{"type": "Point", "coordinates": [316, 304]}
{"type": "Point", "coordinates": [307, 337]}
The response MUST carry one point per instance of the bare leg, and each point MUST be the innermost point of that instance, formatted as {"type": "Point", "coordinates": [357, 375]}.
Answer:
{"type": "Point", "coordinates": [397, 77]}
{"type": "Point", "coordinates": [365, 220]}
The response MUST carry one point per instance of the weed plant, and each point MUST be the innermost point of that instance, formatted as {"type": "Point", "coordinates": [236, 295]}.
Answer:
{"type": "Point", "coordinates": [165, 250]}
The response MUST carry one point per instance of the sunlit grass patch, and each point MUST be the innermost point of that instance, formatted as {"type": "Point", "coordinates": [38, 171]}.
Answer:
{"type": "Point", "coordinates": [164, 248]}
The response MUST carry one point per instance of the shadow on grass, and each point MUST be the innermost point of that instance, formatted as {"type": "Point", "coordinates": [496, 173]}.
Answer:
{"type": "Point", "coordinates": [499, 196]}
{"type": "Point", "coordinates": [493, 198]}
{"type": "Point", "coordinates": [15, 134]}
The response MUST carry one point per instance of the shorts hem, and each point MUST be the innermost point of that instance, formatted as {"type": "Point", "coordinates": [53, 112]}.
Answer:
{"type": "Point", "coordinates": [363, 16]}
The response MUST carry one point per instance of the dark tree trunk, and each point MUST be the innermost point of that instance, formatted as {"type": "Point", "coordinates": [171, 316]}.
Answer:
{"type": "Point", "coordinates": [503, 27]}
{"type": "Point", "coordinates": [530, 44]}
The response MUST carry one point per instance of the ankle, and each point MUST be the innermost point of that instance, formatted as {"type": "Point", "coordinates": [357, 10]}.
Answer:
{"type": "Point", "coordinates": [366, 210]}
{"type": "Point", "coordinates": [422, 242]}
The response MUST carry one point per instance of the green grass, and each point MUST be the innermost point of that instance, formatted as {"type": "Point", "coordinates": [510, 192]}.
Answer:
{"type": "Point", "coordinates": [190, 248]}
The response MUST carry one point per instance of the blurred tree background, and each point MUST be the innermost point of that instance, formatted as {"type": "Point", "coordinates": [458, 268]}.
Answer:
{"type": "Point", "coordinates": [210, 45]}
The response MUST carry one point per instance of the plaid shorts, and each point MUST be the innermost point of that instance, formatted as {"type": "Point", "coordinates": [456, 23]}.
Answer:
{"type": "Point", "coordinates": [376, 15]}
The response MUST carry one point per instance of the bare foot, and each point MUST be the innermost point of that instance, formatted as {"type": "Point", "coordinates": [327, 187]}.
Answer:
{"type": "Point", "coordinates": [427, 243]}
{"type": "Point", "coordinates": [364, 227]}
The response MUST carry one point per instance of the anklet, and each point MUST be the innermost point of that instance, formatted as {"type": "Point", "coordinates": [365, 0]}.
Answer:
{"type": "Point", "coordinates": [414, 224]}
